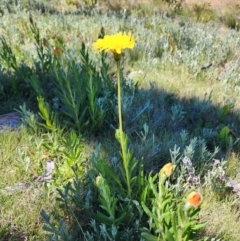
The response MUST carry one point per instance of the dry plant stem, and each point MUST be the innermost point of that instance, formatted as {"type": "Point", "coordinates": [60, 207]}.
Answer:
{"type": "Point", "coordinates": [124, 157]}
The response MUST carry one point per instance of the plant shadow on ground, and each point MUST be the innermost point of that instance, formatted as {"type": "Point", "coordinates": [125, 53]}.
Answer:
{"type": "Point", "coordinates": [153, 118]}
{"type": "Point", "coordinates": [158, 123]}
{"type": "Point", "coordinates": [161, 126]}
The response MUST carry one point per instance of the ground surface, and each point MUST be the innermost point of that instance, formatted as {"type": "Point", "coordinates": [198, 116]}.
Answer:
{"type": "Point", "coordinates": [215, 4]}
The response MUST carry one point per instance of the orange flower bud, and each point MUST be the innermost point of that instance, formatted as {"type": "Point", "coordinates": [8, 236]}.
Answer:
{"type": "Point", "coordinates": [194, 199]}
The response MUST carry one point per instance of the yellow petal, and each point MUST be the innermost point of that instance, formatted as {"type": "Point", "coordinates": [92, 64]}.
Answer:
{"type": "Point", "coordinates": [115, 43]}
{"type": "Point", "coordinates": [167, 169]}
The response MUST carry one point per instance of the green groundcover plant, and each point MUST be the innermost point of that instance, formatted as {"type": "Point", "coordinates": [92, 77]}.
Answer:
{"type": "Point", "coordinates": [124, 203]}
{"type": "Point", "coordinates": [75, 96]}
{"type": "Point", "coordinates": [77, 99]}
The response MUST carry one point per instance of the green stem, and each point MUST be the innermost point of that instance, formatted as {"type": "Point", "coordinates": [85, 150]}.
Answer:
{"type": "Point", "coordinates": [125, 161]}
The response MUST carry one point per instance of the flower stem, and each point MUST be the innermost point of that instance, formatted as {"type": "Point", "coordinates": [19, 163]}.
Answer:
{"type": "Point", "coordinates": [122, 142]}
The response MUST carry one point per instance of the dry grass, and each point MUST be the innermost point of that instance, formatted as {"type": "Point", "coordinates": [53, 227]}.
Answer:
{"type": "Point", "coordinates": [215, 4]}
{"type": "Point", "coordinates": [221, 218]}
{"type": "Point", "coordinates": [67, 5]}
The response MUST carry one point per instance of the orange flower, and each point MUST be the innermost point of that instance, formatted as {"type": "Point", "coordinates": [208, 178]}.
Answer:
{"type": "Point", "coordinates": [167, 169]}
{"type": "Point", "coordinates": [194, 199]}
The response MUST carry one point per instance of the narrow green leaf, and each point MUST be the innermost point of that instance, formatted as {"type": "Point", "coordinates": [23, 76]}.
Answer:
{"type": "Point", "coordinates": [149, 237]}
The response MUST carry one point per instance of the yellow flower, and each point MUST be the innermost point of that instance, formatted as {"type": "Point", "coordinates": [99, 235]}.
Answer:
{"type": "Point", "coordinates": [194, 199]}
{"type": "Point", "coordinates": [115, 43]}
{"type": "Point", "coordinates": [167, 169]}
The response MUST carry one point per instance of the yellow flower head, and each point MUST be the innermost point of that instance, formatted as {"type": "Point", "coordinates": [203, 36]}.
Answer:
{"type": "Point", "coordinates": [115, 43]}
{"type": "Point", "coordinates": [194, 199]}
{"type": "Point", "coordinates": [167, 169]}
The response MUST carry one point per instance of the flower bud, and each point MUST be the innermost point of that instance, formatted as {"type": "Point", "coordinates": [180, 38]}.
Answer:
{"type": "Point", "coordinates": [194, 199]}
{"type": "Point", "coordinates": [167, 170]}
{"type": "Point", "coordinates": [99, 180]}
